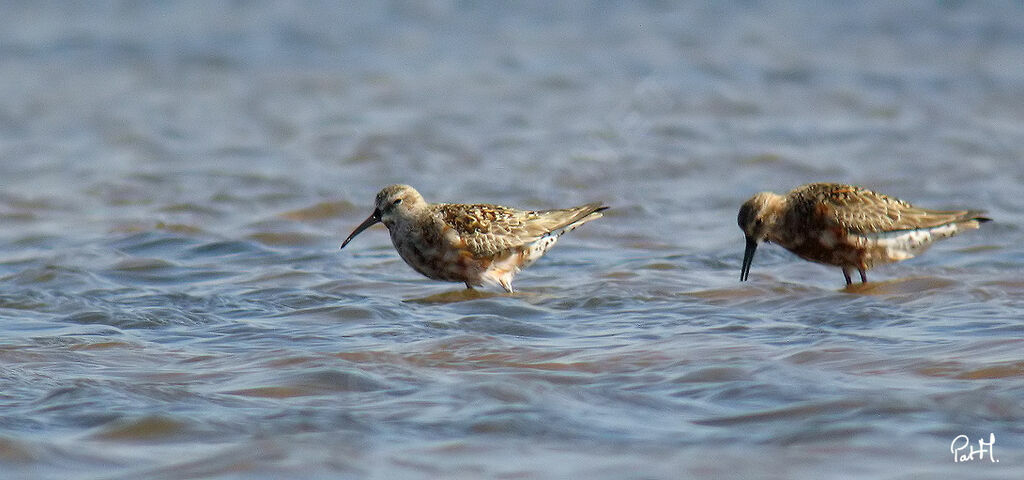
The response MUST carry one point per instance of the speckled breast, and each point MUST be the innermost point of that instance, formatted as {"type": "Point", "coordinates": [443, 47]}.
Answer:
{"type": "Point", "coordinates": [435, 258]}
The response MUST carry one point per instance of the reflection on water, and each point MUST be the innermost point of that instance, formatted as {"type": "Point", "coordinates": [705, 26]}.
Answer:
{"type": "Point", "coordinates": [176, 182]}
{"type": "Point", "coordinates": [460, 295]}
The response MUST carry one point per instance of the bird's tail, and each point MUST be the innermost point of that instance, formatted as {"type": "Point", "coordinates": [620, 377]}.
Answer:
{"type": "Point", "coordinates": [579, 215]}
{"type": "Point", "coordinates": [973, 219]}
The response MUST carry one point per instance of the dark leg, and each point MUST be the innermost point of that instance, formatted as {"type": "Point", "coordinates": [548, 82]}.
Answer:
{"type": "Point", "coordinates": [863, 275]}
{"type": "Point", "coordinates": [468, 286]}
{"type": "Point", "coordinates": [846, 273]}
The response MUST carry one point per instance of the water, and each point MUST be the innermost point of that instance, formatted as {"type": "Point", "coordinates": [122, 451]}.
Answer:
{"type": "Point", "coordinates": [177, 178]}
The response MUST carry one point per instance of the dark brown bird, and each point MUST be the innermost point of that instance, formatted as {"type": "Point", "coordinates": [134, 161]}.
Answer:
{"type": "Point", "coordinates": [846, 226]}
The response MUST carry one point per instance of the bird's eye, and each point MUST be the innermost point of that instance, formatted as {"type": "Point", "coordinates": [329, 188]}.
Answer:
{"type": "Point", "coordinates": [397, 201]}
{"type": "Point", "coordinates": [757, 222]}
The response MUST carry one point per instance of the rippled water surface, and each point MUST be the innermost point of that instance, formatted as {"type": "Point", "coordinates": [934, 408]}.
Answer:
{"type": "Point", "coordinates": [177, 178]}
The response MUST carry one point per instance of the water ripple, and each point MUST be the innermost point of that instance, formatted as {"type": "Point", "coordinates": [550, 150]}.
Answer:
{"type": "Point", "coordinates": [173, 302]}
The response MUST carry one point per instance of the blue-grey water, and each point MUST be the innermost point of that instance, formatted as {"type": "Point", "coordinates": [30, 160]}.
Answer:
{"type": "Point", "coordinates": [176, 178]}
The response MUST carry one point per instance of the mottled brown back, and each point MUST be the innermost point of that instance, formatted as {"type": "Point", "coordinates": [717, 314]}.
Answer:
{"type": "Point", "coordinates": [861, 211]}
{"type": "Point", "coordinates": [489, 230]}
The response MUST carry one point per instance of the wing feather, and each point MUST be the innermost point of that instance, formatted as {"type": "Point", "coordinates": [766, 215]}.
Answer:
{"type": "Point", "coordinates": [862, 211]}
{"type": "Point", "coordinates": [490, 230]}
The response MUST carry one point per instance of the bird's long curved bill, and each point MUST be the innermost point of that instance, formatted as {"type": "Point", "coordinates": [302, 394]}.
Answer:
{"type": "Point", "coordinates": [369, 222]}
{"type": "Point", "coordinates": [748, 258]}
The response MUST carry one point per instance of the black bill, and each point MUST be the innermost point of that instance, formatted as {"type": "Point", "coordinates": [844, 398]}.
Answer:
{"type": "Point", "coordinates": [369, 222]}
{"type": "Point", "coordinates": [748, 258]}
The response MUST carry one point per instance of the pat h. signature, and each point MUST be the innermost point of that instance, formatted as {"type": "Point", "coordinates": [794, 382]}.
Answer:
{"type": "Point", "coordinates": [962, 450]}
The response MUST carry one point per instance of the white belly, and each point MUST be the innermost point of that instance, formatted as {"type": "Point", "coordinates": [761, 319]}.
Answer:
{"type": "Point", "coordinates": [903, 244]}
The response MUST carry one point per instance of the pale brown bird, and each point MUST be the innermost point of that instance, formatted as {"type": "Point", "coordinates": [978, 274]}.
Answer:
{"type": "Point", "coordinates": [474, 244]}
{"type": "Point", "coordinates": [846, 226]}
